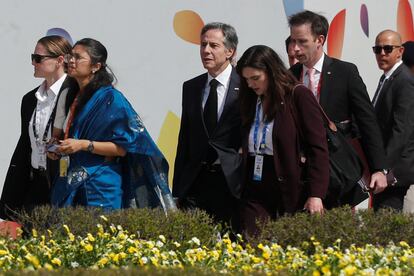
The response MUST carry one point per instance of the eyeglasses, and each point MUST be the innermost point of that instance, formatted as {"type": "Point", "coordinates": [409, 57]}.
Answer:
{"type": "Point", "coordinates": [387, 49]}
{"type": "Point", "coordinates": [76, 57]}
{"type": "Point", "coordinates": [39, 58]}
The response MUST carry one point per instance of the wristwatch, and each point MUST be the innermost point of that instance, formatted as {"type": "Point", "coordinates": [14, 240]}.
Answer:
{"type": "Point", "coordinates": [385, 171]}
{"type": "Point", "coordinates": [90, 147]}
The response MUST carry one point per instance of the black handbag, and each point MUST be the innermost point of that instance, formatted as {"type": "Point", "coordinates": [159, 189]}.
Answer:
{"type": "Point", "coordinates": [345, 167]}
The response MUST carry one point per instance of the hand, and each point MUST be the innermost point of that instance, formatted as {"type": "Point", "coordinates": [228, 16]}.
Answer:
{"type": "Point", "coordinates": [52, 155]}
{"type": "Point", "coordinates": [314, 205]}
{"type": "Point", "coordinates": [378, 182]}
{"type": "Point", "coordinates": [70, 146]}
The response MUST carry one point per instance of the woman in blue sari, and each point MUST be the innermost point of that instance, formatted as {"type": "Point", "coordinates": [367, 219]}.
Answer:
{"type": "Point", "coordinates": [108, 158]}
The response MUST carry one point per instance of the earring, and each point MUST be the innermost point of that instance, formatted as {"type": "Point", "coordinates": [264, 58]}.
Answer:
{"type": "Point", "coordinates": [93, 71]}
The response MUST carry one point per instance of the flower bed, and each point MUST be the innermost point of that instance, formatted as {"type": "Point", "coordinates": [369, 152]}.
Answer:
{"type": "Point", "coordinates": [112, 246]}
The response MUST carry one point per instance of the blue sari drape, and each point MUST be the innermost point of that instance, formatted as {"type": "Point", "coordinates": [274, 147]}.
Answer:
{"type": "Point", "coordinates": [140, 179]}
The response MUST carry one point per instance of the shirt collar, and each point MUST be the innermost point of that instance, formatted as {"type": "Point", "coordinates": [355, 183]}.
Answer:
{"type": "Point", "coordinates": [389, 73]}
{"type": "Point", "coordinates": [223, 78]}
{"type": "Point", "coordinates": [318, 65]}
{"type": "Point", "coordinates": [41, 94]}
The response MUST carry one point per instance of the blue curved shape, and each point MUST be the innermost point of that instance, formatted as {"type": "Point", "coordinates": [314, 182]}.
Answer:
{"type": "Point", "coordinates": [293, 6]}
{"type": "Point", "coordinates": [61, 32]}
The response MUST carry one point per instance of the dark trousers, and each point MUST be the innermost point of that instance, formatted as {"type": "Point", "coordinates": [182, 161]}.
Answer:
{"type": "Point", "coordinates": [391, 197]}
{"type": "Point", "coordinates": [261, 200]}
{"type": "Point", "coordinates": [210, 193]}
{"type": "Point", "coordinates": [38, 192]}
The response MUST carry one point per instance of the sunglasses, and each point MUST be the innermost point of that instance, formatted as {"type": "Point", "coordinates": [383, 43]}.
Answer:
{"type": "Point", "coordinates": [387, 49]}
{"type": "Point", "coordinates": [39, 58]}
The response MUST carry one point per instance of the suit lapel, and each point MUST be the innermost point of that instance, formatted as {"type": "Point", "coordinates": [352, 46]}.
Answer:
{"type": "Point", "coordinates": [387, 85]}
{"type": "Point", "coordinates": [199, 100]}
{"type": "Point", "coordinates": [231, 95]}
{"type": "Point", "coordinates": [327, 77]}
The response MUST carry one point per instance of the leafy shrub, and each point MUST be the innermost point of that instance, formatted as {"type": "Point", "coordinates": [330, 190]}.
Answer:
{"type": "Point", "coordinates": [359, 228]}
{"type": "Point", "coordinates": [146, 223]}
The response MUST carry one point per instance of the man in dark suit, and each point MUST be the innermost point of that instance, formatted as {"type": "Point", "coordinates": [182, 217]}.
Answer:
{"type": "Point", "coordinates": [339, 89]}
{"type": "Point", "coordinates": [394, 106]}
{"type": "Point", "coordinates": [207, 165]}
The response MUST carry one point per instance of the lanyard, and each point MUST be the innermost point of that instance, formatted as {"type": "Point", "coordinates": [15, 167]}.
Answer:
{"type": "Point", "coordinates": [49, 122]}
{"type": "Point", "coordinates": [262, 145]}
{"type": "Point", "coordinates": [71, 116]}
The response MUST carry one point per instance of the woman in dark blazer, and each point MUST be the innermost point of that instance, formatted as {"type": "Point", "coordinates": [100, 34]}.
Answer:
{"type": "Point", "coordinates": [28, 179]}
{"type": "Point", "coordinates": [280, 121]}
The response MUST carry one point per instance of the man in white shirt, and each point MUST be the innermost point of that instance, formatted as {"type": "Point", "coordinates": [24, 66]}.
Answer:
{"type": "Point", "coordinates": [207, 164]}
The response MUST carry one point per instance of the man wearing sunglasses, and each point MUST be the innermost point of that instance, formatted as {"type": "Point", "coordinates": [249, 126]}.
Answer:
{"type": "Point", "coordinates": [342, 94]}
{"type": "Point", "coordinates": [394, 105]}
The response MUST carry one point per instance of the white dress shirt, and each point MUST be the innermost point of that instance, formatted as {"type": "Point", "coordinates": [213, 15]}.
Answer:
{"type": "Point", "coordinates": [224, 81]}
{"type": "Point", "coordinates": [316, 77]}
{"type": "Point", "coordinates": [267, 126]}
{"type": "Point", "coordinates": [46, 100]}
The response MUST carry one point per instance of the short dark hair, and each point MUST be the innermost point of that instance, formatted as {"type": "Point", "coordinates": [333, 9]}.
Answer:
{"type": "Point", "coordinates": [408, 55]}
{"type": "Point", "coordinates": [318, 23]}
{"type": "Point", "coordinates": [230, 36]}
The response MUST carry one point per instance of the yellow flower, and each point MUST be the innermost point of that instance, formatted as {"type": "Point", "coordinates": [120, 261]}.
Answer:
{"type": "Point", "coordinates": [316, 273]}
{"type": "Point", "coordinates": [103, 261]}
{"type": "Point", "coordinates": [34, 233]}
{"type": "Point", "coordinates": [404, 244]}
{"type": "Point", "coordinates": [33, 260]}
{"type": "Point", "coordinates": [56, 261]}
{"type": "Point", "coordinates": [350, 270]}
{"type": "Point", "coordinates": [3, 252]}
{"type": "Point", "coordinates": [90, 237]}
{"type": "Point", "coordinates": [319, 262]}
{"type": "Point", "coordinates": [132, 250]}
{"type": "Point", "coordinates": [104, 218]}
{"type": "Point", "coordinates": [48, 266]}
{"type": "Point", "coordinates": [326, 270]}
{"type": "Point", "coordinates": [88, 247]}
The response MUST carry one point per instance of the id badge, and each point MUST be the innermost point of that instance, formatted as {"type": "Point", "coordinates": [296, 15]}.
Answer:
{"type": "Point", "coordinates": [63, 166]}
{"type": "Point", "coordinates": [258, 167]}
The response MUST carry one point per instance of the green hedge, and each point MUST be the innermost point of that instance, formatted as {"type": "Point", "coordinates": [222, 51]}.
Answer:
{"type": "Point", "coordinates": [357, 228]}
{"type": "Point", "coordinates": [146, 223]}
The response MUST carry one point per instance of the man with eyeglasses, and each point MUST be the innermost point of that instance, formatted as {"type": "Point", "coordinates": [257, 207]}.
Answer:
{"type": "Point", "coordinates": [342, 94]}
{"type": "Point", "coordinates": [394, 105]}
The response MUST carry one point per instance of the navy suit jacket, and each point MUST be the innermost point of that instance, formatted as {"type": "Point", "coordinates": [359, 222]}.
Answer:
{"type": "Point", "coordinates": [193, 140]}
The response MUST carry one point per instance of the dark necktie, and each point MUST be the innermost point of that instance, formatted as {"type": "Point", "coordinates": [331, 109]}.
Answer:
{"type": "Point", "coordinates": [210, 108]}
{"type": "Point", "coordinates": [377, 92]}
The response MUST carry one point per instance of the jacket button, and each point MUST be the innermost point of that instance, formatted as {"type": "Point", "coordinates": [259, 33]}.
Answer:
{"type": "Point", "coordinates": [280, 179]}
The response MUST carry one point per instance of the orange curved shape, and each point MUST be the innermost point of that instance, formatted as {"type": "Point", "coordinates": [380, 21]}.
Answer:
{"type": "Point", "coordinates": [405, 21]}
{"type": "Point", "coordinates": [187, 25]}
{"type": "Point", "coordinates": [336, 35]}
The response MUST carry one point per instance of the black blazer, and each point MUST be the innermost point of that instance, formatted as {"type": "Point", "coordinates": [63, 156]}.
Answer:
{"type": "Point", "coordinates": [395, 113]}
{"type": "Point", "coordinates": [193, 139]}
{"type": "Point", "coordinates": [344, 96]}
{"type": "Point", "coordinates": [18, 175]}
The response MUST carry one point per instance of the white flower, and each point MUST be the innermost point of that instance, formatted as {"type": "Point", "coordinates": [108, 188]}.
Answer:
{"type": "Point", "coordinates": [74, 264]}
{"type": "Point", "coordinates": [195, 240]}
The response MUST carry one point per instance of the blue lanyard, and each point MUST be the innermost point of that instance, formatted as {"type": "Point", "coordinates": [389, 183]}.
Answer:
{"type": "Point", "coordinates": [262, 145]}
